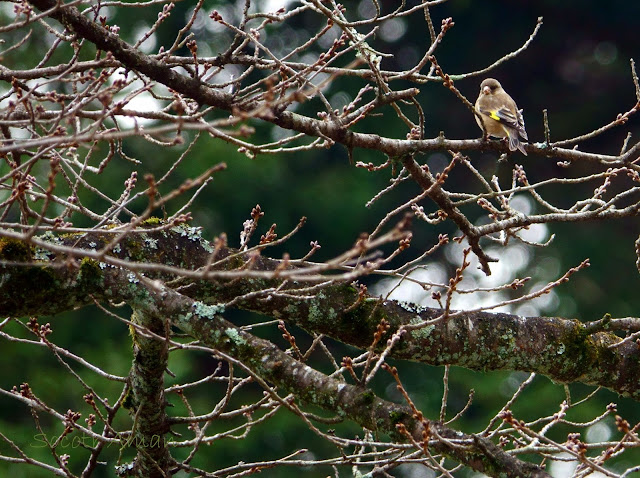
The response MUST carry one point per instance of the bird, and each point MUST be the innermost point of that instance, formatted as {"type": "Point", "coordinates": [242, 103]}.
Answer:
{"type": "Point", "coordinates": [500, 115]}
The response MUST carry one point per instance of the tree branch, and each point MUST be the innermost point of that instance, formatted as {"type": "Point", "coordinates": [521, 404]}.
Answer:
{"type": "Point", "coordinates": [193, 88]}
{"type": "Point", "coordinates": [563, 350]}
{"type": "Point", "coordinates": [263, 358]}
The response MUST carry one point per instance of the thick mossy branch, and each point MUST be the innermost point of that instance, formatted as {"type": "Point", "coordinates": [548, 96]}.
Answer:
{"type": "Point", "coordinates": [563, 350]}
{"type": "Point", "coordinates": [150, 358]}
{"type": "Point", "coordinates": [267, 361]}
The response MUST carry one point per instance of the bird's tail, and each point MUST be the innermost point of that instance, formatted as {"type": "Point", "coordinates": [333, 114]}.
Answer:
{"type": "Point", "coordinates": [514, 142]}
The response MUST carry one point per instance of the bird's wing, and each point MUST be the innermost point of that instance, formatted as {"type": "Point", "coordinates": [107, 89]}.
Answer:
{"type": "Point", "coordinates": [506, 117]}
{"type": "Point", "coordinates": [502, 114]}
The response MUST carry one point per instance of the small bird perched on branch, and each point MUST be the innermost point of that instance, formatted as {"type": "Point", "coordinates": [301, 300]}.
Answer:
{"type": "Point", "coordinates": [500, 115]}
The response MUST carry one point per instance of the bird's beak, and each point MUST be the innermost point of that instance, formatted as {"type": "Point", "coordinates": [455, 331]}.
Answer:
{"type": "Point", "coordinates": [486, 90]}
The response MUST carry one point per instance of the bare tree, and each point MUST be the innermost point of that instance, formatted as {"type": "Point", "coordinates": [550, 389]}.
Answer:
{"type": "Point", "coordinates": [72, 116]}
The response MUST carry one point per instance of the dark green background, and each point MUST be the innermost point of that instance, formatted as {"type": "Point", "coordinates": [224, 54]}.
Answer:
{"type": "Point", "coordinates": [559, 72]}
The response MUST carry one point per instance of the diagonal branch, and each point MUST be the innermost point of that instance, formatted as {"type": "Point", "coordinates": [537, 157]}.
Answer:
{"type": "Point", "coordinates": [263, 358]}
{"type": "Point", "coordinates": [427, 182]}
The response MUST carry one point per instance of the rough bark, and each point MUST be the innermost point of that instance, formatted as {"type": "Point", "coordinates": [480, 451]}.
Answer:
{"type": "Point", "coordinates": [561, 349]}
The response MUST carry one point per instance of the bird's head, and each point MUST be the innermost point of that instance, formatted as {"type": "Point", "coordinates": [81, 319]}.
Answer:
{"type": "Point", "coordinates": [490, 86]}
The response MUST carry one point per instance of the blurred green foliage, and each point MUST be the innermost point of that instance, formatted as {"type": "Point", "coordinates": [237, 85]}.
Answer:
{"type": "Point", "coordinates": [577, 68]}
